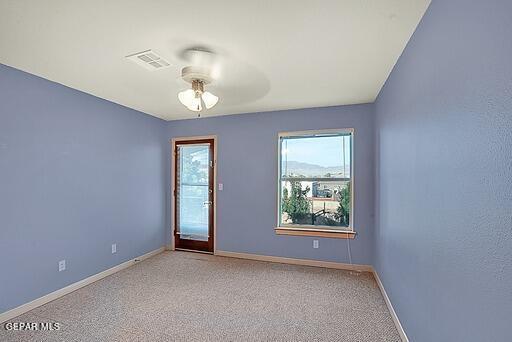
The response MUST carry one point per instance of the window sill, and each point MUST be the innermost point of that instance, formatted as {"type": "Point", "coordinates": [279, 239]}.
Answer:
{"type": "Point", "coordinates": [327, 233]}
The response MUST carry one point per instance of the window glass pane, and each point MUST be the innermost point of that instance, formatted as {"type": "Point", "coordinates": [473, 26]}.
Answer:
{"type": "Point", "coordinates": [315, 181]}
{"type": "Point", "coordinates": [326, 157]}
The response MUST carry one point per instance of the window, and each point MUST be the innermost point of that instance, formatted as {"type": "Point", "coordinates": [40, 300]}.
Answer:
{"type": "Point", "coordinates": [315, 183]}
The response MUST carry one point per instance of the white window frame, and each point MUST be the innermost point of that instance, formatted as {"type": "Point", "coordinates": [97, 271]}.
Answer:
{"type": "Point", "coordinates": [314, 230]}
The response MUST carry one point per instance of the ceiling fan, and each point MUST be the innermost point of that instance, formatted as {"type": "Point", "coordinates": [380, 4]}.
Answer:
{"type": "Point", "coordinates": [212, 75]}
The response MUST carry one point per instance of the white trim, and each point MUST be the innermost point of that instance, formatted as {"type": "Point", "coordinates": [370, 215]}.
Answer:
{"type": "Point", "coordinates": [5, 316]}
{"type": "Point", "coordinates": [173, 160]}
{"type": "Point", "coordinates": [326, 264]}
{"type": "Point", "coordinates": [317, 132]}
{"type": "Point", "coordinates": [293, 261]}
{"type": "Point", "coordinates": [351, 132]}
{"type": "Point", "coordinates": [392, 312]}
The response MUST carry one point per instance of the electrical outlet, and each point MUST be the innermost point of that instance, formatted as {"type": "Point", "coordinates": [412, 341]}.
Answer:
{"type": "Point", "coordinates": [315, 243]}
{"type": "Point", "coordinates": [62, 265]}
{"type": "Point", "coordinates": [114, 248]}
{"type": "Point", "coordinates": [221, 186]}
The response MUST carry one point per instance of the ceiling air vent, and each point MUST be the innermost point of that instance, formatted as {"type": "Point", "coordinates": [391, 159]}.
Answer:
{"type": "Point", "coordinates": [149, 59]}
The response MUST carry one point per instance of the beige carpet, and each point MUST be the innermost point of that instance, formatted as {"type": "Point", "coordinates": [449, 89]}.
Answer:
{"type": "Point", "coordinates": [179, 296]}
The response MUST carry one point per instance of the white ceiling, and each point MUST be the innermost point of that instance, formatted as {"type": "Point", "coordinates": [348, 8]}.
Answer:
{"type": "Point", "coordinates": [275, 54]}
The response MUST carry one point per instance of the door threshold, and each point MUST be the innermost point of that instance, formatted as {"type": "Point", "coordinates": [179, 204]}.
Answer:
{"type": "Point", "coordinates": [193, 251]}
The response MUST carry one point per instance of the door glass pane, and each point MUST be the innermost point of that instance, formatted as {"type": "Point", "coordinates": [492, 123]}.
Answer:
{"type": "Point", "coordinates": [193, 194]}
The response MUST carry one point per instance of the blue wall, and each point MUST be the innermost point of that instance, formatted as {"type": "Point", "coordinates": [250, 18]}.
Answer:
{"type": "Point", "coordinates": [443, 240]}
{"type": "Point", "coordinates": [77, 174]}
{"type": "Point", "coordinates": [247, 166]}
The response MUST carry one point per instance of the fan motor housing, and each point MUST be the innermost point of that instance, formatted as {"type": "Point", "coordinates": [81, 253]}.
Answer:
{"type": "Point", "coordinates": [191, 73]}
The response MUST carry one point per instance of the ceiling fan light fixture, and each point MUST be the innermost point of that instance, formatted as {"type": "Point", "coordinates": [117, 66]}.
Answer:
{"type": "Point", "coordinates": [196, 97]}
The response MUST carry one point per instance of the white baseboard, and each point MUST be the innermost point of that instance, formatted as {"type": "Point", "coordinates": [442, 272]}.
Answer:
{"type": "Point", "coordinates": [394, 316]}
{"type": "Point", "coordinates": [293, 261]}
{"type": "Point", "coordinates": [283, 260]}
{"type": "Point", "coordinates": [73, 287]}
{"type": "Point", "coordinates": [326, 264]}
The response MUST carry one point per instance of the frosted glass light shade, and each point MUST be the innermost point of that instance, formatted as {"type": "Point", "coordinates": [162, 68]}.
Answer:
{"type": "Point", "coordinates": [187, 97]}
{"type": "Point", "coordinates": [195, 105]}
{"type": "Point", "coordinates": [192, 100]}
{"type": "Point", "coordinates": [209, 99]}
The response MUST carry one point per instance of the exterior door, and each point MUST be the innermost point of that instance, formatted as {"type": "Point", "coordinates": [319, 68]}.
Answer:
{"type": "Point", "coordinates": [193, 195]}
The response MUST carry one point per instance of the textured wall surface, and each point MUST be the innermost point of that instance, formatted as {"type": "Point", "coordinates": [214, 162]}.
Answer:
{"type": "Point", "coordinates": [77, 174]}
{"type": "Point", "coordinates": [247, 166]}
{"type": "Point", "coordinates": [443, 242]}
